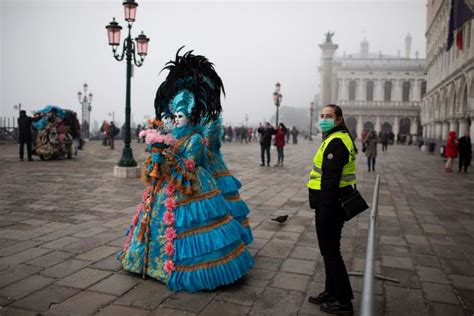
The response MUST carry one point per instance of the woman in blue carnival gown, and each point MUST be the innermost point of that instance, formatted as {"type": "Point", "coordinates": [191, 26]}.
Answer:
{"type": "Point", "coordinates": [183, 232]}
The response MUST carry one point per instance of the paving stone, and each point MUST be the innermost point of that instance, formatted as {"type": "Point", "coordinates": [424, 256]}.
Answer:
{"type": "Point", "coordinates": [267, 263]}
{"type": "Point", "coordinates": [65, 268]}
{"type": "Point", "coordinates": [276, 249]}
{"type": "Point", "coordinates": [84, 303]}
{"type": "Point", "coordinates": [110, 264]}
{"type": "Point", "coordinates": [258, 243]}
{"type": "Point", "coordinates": [434, 229]}
{"type": "Point", "coordinates": [426, 260]}
{"type": "Point", "coordinates": [60, 243]}
{"type": "Point", "coordinates": [18, 247]}
{"type": "Point", "coordinates": [404, 301]}
{"type": "Point", "coordinates": [298, 266]}
{"type": "Point", "coordinates": [434, 275]}
{"type": "Point", "coordinates": [467, 297]}
{"type": "Point", "coordinates": [461, 267]}
{"type": "Point", "coordinates": [440, 309]}
{"type": "Point", "coordinates": [240, 294]}
{"type": "Point", "coordinates": [258, 277]}
{"type": "Point", "coordinates": [439, 293]}
{"type": "Point", "coordinates": [10, 311]}
{"type": "Point", "coordinates": [287, 237]}
{"type": "Point", "coordinates": [116, 284]}
{"type": "Point", "coordinates": [398, 262]}
{"type": "Point", "coordinates": [50, 259]}
{"type": "Point", "coordinates": [17, 272]}
{"type": "Point", "coordinates": [146, 295]}
{"type": "Point", "coordinates": [307, 253]}
{"type": "Point", "coordinates": [389, 240]}
{"type": "Point", "coordinates": [221, 308]}
{"type": "Point", "coordinates": [45, 298]}
{"type": "Point", "coordinates": [84, 278]}
{"type": "Point", "coordinates": [99, 253]}
{"type": "Point", "coordinates": [191, 302]}
{"type": "Point", "coordinates": [25, 286]}
{"type": "Point", "coordinates": [165, 311]}
{"type": "Point", "coordinates": [276, 301]}
{"type": "Point", "coordinates": [462, 282]}
{"type": "Point", "coordinates": [290, 281]}
{"type": "Point", "coordinates": [23, 256]}
{"type": "Point", "coordinates": [406, 278]}
{"type": "Point", "coordinates": [120, 310]}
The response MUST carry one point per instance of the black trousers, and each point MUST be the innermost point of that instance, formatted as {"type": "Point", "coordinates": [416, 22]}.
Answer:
{"type": "Point", "coordinates": [328, 230]}
{"type": "Point", "coordinates": [265, 150]}
{"type": "Point", "coordinates": [25, 139]}
{"type": "Point", "coordinates": [464, 162]}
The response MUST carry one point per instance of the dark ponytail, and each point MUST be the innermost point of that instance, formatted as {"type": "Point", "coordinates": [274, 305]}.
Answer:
{"type": "Point", "coordinates": [338, 111]}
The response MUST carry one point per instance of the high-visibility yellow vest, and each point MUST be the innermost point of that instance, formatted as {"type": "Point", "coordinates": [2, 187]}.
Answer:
{"type": "Point", "coordinates": [348, 172]}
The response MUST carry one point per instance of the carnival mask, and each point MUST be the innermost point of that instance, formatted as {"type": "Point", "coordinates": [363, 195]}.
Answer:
{"type": "Point", "coordinates": [180, 119]}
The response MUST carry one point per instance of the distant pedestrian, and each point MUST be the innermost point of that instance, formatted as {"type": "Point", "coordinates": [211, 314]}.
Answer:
{"type": "Point", "coordinates": [451, 151]}
{"type": "Point", "coordinates": [266, 133]}
{"type": "Point", "coordinates": [385, 137]}
{"type": "Point", "coordinates": [24, 134]}
{"type": "Point", "coordinates": [230, 134]}
{"type": "Point", "coordinates": [294, 134]}
{"type": "Point", "coordinates": [280, 134]}
{"type": "Point", "coordinates": [113, 132]}
{"type": "Point", "coordinates": [243, 135]}
{"type": "Point", "coordinates": [371, 149]}
{"type": "Point", "coordinates": [287, 134]}
{"type": "Point", "coordinates": [465, 151]}
{"type": "Point", "coordinates": [104, 129]}
{"type": "Point", "coordinates": [137, 131]}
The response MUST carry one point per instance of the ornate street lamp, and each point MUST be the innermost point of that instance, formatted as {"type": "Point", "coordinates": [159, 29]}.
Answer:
{"type": "Point", "coordinates": [311, 112]}
{"type": "Point", "coordinates": [128, 52]}
{"type": "Point", "coordinates": [277, 97]}
{"type": "Point", "coordinates": [85, 100]}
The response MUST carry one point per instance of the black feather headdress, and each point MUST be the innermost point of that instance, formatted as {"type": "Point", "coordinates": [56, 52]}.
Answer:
{"type": "Point", "coordinates": [196, 74]}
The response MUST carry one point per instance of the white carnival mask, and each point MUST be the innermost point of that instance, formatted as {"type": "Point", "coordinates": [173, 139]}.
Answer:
{"type": "Point", "coordinates": [180, 119]}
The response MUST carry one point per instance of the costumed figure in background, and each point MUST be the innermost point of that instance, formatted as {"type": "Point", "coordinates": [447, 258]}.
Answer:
{"type": "Point", "coordinates": [183, 232]}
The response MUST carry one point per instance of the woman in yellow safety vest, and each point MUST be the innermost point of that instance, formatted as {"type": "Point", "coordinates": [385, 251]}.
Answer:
{"type": "Point", "coordinates": [332, 176]}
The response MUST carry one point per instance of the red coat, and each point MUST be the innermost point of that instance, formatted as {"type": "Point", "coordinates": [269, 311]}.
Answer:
{"type": "Point", "coordinates": [451, 150]}
{"type": "Point", "coordinates": [280, 137]}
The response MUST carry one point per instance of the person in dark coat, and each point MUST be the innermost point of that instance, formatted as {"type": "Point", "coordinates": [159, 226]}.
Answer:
{"type": "Point", "coordinates": [266, 133]}
{"type": "Point", "coordinates": [24, 134]}
{"type": "Point", "coordinates": [371, 149]}
{"type": "Point", "coordinates": [465, 151]}
{"type": "Point", "coordinates": [331, 165]}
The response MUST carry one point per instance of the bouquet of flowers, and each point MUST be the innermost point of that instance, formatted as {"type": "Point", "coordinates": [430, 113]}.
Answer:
{"type": "Point", "coordinates": [158, 135]}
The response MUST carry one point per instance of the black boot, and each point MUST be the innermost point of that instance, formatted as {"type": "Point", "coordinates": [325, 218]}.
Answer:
{"type": "Point", "coordinates": [323, 297]}
{"type": "Point", "coordinates": [336, 307]}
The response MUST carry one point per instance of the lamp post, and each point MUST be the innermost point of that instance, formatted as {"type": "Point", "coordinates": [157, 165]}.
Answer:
{"type": "Point", "coordinates": [112, 115]}
{"type": "Point", "coordinates": [85, 100]}
{"type": "Point", "coordinates": [311, 112]}
{"type": "Point", "coordinates": [128, 52]}
{"type": "Point", "coordinates": [17, 107]}
{"type": "Point", "coordinates": [277, 97]}
{"type": "Point", "coordinates": [246, 119]}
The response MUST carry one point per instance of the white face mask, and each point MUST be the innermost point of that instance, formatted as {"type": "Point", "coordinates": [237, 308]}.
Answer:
{"type": "Point", "coordinates": [180, 119]}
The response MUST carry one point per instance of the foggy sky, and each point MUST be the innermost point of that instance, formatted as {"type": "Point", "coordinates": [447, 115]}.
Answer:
{"type": "Point", "coordinates": [50, 48]}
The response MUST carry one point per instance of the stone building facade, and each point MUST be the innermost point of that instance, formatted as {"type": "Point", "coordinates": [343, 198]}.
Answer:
{"type": "Point", "coordinates": [449, 102]}
{"type": "Point", "coordinates": [376, 91]}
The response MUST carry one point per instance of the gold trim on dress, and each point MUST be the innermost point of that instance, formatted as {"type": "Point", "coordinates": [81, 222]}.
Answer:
{"type": "Point", "coordinates": [233, 198]}
{"type": "Point", "coordinates": [221, 174]}
{"type": "Point", "coordinates": [198, 197]}
{"type": "Point", "coordinates": [226, 219]}
{"type": "Point", "coordinates": [211, 264]}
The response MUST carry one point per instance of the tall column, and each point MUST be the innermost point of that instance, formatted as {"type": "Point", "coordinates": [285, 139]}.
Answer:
{"type": "Point", "coordinates": [453, 125]}
{"type": "Point", "coordinates": [328, 49]}
{"type": "Point", "coordinates": [444, 133]}
{"type": "Point", "coordinates": [416, 91]}
{"type": "Point", "coordinates": [340, 89]}
{"type": "Point", "coordinates": [396, 90]}
{"type": "Point", "coordinates": [360, 126]}
{"type": "Point", "coordinates": [377, 124]}
{"type": "Point", "coordinates": [413, 126]}
{"type": "Point", "coordinates": [361, 90]}
{"type": "Point", "coordinates": [463, 127]}
{"type": "Point", "coordinates": [396, 126]}
{"type": "Point", "coordinates": [472, 130]}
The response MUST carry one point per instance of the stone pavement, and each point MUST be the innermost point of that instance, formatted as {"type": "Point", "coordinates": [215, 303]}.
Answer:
{"type": "Point", "coordinates": [62, 222]}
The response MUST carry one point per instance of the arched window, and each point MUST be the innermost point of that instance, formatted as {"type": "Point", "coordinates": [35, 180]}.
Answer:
{"type": "Point", "coordinates": [406, 91]}
{"type": "Point", "coordinates": [352, 90]}
{"type": "Point", "coordinates": [370, 91]}
{"type": "Point", "coordinates": [387, 96]}
{"type": "Point", "coordinates": [423, 88]}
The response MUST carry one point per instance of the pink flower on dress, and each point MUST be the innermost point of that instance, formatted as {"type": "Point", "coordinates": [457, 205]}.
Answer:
{"type": "Point", "coordinates": [169, 249]}
{"type": "Point", "coordinates": [170, 234]}
{"type": "Point", "coordinates": [206, 142]}
{"type": "Point", "coordinates": [169, 139]}
{"type": "Point", "coordinates": [170, 203]}
{"type": "Point", "coordinates": [168, 218]}
{"type": "Point", "coordinates": [190, 164]}
{"type": "Point", "coordinates": [169, 266]}
{"type": "Point", "coordinates": [169, 190]}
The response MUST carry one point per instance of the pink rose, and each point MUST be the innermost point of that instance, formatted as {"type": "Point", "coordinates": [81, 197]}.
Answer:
{"type": "Point", "coordinates": [169, 266]}
{"type": "Point", "coordinates": [190, 164]}
{"type": "Point", "coordinates": [168, 218]}
{"type": "Point", "coordinates": [170, 203]}
{"type": "Point", "coordinates": [170, 234]}
{"type": "Point", "coordinates": [169, 249]}
{"type": "Point", "coordinates": [169, 190]}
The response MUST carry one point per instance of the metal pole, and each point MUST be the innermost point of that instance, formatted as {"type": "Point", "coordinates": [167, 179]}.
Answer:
{"type": "Point", "coordinates": [278, 106]}
{"type": "Point", "coordinates": [367, 301]}
{"type": "Point", "coordinates": [311, 125]}
{"type": "Point", "coordinates": [127, 154]}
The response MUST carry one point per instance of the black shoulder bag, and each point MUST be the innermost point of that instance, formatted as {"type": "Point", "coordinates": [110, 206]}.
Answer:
{"type": "Point", "coordinates": [353, 204]}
